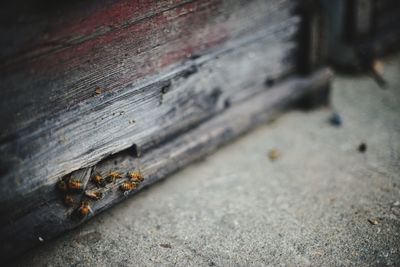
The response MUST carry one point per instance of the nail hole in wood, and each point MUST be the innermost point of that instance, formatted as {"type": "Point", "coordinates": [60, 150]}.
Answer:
{"type": "Point", "coordinates": [166, 87]}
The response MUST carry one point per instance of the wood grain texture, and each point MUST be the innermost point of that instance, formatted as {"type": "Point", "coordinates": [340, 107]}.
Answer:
{"type": "Point", "coordinates": [140, 112]}
{"type": "Point", "coordinates": [142, 115]}
{"type": "Point", "coordinates": [52, 217]}
{"type": "Point", "coordinates": [170, 94]}
{"type": "Point", "coordinates": [111, 46]}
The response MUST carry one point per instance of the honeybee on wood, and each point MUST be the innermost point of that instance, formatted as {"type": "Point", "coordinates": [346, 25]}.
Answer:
{"type": "Point", "coordinates": [98, 179]}
{"type": "Point", "coordinates": [62, 186]}
{"type": "Point", "coordinates": [75, 184]}
{"type": "Point", "coordinates": [128, 186]}
{"type": "Point", "coordinates": [112, 176]}
{"type": "Point", "coordinates": [68, 200]}
{"type": "Point", "coordinates": [98, 91]}
{"type": "Point", "coordinates": [84, 209]}
{"type": "Point", "coordinates": [136, 176]}
{"type": "Point", "coordinates": [96, 195]}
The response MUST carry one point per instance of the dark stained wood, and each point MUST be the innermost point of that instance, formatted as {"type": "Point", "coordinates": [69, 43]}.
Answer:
{"type": "Point", "coordinates": [94, 86]}
{"type": "Point", "coordinates": [52, 217]}
{"type": "Point", "coordinates": [143, 115]}
{"type": "Point", "coordinates": [56, 124]}
{"type": "Point", "coordinates": [360, 31]}
{"type": "Point", "coordinates": [65, 56]}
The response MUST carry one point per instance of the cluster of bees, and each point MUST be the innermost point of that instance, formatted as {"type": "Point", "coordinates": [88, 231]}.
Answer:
{"type": "Point", "coordinates": [70, 186]}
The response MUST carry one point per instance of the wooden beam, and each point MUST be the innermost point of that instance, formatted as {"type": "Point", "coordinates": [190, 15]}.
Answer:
{"type": "Point", "coordinates": [48, 217]}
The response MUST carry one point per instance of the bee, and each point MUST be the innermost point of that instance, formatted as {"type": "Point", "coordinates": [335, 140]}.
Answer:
{"type": "Point", "coordinates": [136, 176]}
{"type": "Point", "coordinates": [68, 200]}
{"type": "Point", "coordinates": [84, 209]}
{"type": "Point", "coordinates": [96, 195]}
{"type": "Point", "coordinates": [62, 186]}
{"type": "Point", "coordinates": [98, 91]}
{"type": "Point", "coordinates": [98, 179]}
{"type": "Point", "coordinates": [128, 186]}
{"type": "Point", "coordinates": [75, 184]}
{"type": "Point", "coordinates": [112, 176]}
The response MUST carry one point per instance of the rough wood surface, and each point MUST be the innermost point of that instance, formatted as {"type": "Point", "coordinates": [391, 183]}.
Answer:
{"type": "Point", "coordinates": [52, 217]}
{"type": "Point", "coordinates": [145, 112]}
{"type": "Point", "coordinates": [168, 94]}
{"type": "Point", "coordinates": [53, 61]}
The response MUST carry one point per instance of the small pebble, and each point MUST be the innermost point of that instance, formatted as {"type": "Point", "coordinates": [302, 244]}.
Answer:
{"type": "Point", "coordinates": [362, 147]}
{"type": "Point", "coordinates": [274, 154]}
{"type": "Point", "coordinates": [335, 119]}
{"type": "Point", "coordinates": [41, 239]}
{"type": "Point", "coordinates": [165, 245]}
{"type": "Point", "coordinates": [373, 221]}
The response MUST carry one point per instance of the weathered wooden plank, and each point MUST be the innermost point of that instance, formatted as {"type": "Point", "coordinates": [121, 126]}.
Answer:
{"type": "Point", "coordinates": [35, 28]}
{"type": "Point", "coordinates": [52, 217]}
{"type": "Point", "coordinates": [52, 123]}
{"type": "Point", "coordinates": [143, 114]}
{"type": "Point", "coordinates": [170, 93]}
{"type": "Point", "coordinates": [114, 58]}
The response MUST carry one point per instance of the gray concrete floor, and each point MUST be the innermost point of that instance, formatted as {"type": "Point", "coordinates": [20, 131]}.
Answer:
{"type": "Point", "coordinates": [237, 208]}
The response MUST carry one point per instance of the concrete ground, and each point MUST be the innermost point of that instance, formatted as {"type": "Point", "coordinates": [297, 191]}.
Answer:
{"type": "Point", "coordinates": [322, 202]}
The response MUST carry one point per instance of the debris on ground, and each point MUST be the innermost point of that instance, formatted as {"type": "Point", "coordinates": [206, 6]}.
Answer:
{"type": "Point", "coordinates": [274, 154]}
{"type": "Point", "coordinates": [335, 119]}
{"type": "Point", "coordinates": [378, 66]}
{"type": "Point", "coordinates": [373, 66]}
{"type": "Point", "coordinates": [165, 245]}
{"type": "Point", "coordinates": [377, 73]}
{"type": "Point", "coordinates": [362, 147]}
{"type": "Point", "coordinates": [373, 221]}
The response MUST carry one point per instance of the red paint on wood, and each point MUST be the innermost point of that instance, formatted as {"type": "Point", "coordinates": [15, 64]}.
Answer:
{"type": "Point", "coordinates": [110, 46]}
{"type": "Point", "coordinates": [139, 39]}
